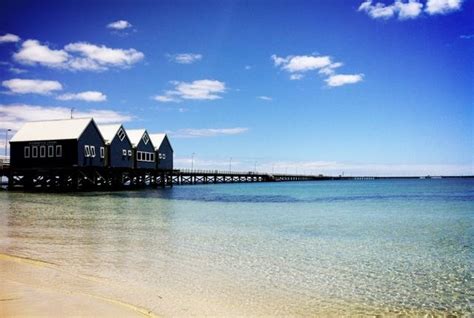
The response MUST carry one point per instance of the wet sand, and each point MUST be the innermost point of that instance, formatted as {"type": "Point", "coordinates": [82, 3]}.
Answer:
{"type": "Point", "coordinates": [33, 288]}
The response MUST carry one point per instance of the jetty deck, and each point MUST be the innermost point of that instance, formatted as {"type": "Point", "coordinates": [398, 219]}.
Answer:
{"type": "Point", "coordinates": [103, 178]}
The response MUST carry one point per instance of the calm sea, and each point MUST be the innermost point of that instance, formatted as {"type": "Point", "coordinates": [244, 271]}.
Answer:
{"type": "Point", "coordinates": [298, 249]}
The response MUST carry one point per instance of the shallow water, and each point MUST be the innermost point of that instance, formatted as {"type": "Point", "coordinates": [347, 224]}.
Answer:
{"type": "Point", "coordinates": [303, 248]}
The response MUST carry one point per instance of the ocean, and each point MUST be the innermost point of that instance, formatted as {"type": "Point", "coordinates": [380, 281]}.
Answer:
{"type": "Point", "coordinates": [362, 247]}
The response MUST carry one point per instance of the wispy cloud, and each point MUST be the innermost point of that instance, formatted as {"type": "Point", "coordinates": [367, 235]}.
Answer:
{"type": "Point", "coordinates": [119, 25]}
{"type": "Point", "coordinates": [343, 79]}
{"type": "Point", "coordinates": [207, 132]}
{"type": "Point", "coordinates": [31, 86]}
{"type": "Point", "coordinates": [265, 98]}
{"type": "Point", "coordinates": [466, 36]}
{"type": "Point", "coordinates": [17, 70]}
{"type": "Point", "coordinates": [80, 56]}
{"type": "Point", "coordinates": [88, 96]}
{"type": "Point", "coordinates": [185, 58]}
{"type": "Point", "coordinates": [9, 38]}
{"type": "Point", "coordinates": [410, 9]}
{"type": "Point", "coordinates": [197, 90]}
{"type": "Point", "coordinates": [13, 116]}
{"type": "Point", "coordinates": [298, 65]}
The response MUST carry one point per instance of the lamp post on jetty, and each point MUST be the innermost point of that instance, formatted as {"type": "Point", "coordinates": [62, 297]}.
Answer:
{"type": "Point", "coordinates": [230, 164]}
{"type": "Point", "coordinates": [6, 141]}
{"type": "Point", "coordinates": [192, 161]}
{"type": "Point", "coordinates": [255, 167]}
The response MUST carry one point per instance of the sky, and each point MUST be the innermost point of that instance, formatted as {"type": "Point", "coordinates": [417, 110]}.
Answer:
{"type": "Point", "coordinates": [330, 87]}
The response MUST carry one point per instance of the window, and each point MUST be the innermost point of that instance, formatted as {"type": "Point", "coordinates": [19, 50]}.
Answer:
{"type": "Point", "coordinates": [42, 151]}
{"type": "Point", "coordinates": [139, 155]}
{"type": "Point", "coordinates": [121, 134]}
{"type": "Point", "coordinates": [26, 152]}
{"type": "Point", "coordinates": [59, 151]}
{"type": "Point", "coordinates": [50, 151]}
{"type": "Point", "coordinates": [124, 152]}
{"type": "Point", "coordinates": [129, 153]}
{"type": "Point", "coordinates": [145, 138]}
{"type": "Point", "coordinates": [102, 152]}
{"type": "Point", "coordinates": [93, 151]}
{"type": "Point", "coordinates": [34, 151]}
{"type": "Point", "coordinates": [163, 156]}
{"type": "Point", "coordinates": [87, 151]}
{"type": "Point", "coordinates": [152, 157]}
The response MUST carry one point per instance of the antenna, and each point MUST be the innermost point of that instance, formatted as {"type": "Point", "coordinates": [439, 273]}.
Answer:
{"type": "Point", "coordinates": [72, 110]}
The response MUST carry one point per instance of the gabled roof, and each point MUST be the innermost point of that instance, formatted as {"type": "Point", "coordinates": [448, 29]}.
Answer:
{"type": "Point", "coordinates": [135, 135]}
{"type": "Point", "coordinates": [61, 129]}
{"type": "Point", "coordinates": [158, 139]}
{"type": "Point", "coordinates": [109, 132]}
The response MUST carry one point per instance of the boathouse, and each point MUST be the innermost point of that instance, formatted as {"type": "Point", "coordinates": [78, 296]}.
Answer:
{"type": "Point", "coordinates": [144, 151]}
{"type": "Point", "coordinates": [163, 150]}
{"type": "Point", "coordinates": [118, 147]}
{"type": "Point", "coordinates": [58, 143]}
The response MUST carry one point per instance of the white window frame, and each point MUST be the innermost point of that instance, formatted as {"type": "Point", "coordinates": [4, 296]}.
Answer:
{"type": "Point", "coordinates": [121, 134]}
{"type": "Point", "coordinates": [163, 156]}
{"type": "Point", "coordinates": [34, 152]}
{"type": "Point", "coordinates": [50, 151]}
{"type": "Point", "coordinates": [124, 152]}
{"type": "Point", "coordinates": [26, 152]}
{"type": "Point", "coordinates": [92, 151]}
{"type": "Point", "coordinates": [87, 151]}
{"type": "Point", "coordinates": [59, 151]}
{"type": "Point", "coordinates": [139, 156]}
{"type": "Point", "coordinates": [145, 138]}
{"type": "Point", "coordinates": [152, 155]}
{"type": "Point", "coordinates": [42, 151]}
{"type": "Point", "coordinates": [102, 152]}
{"type": "Point", "coordinates": [129, 153]}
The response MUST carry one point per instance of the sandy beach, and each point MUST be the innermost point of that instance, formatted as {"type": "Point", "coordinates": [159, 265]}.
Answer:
{"type": "Point", "coordinates": [34, 288]}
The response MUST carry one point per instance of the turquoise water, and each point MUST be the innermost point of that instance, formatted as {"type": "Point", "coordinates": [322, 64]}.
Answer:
{"type": "Point", "coordinates": [302, 248]}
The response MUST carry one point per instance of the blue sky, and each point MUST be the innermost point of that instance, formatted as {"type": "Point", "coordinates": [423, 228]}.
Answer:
{"type": "Point", "coordinates": [364, 87]}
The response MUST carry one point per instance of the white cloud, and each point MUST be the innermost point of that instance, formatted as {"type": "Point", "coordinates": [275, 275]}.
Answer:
{"type": "Point", "coordinates": [185, 58]}
{"type": "Point", "coordinates": [248, 67]}
{"type": "Point", "coordinates": [297, 65]}
{"type": "Point", "coordinates": [166, 98]}
{"type": "Point", "coordinates": [119, 25]}
{"type": "Point", "coordinates": [377, 11]}
{"type": "Point", "coordinates": [295, 77]}
{"type": "Point", "coordinates": [97, 57]}
{"type": "Point", "coordinates": [13, 116]}
{"type": "Point", "coordinates": [9, 38]}
{"type": "Point", "coordinates": [266, 98]}
{"type": "Point", "coordinates": [442, 6]}
{"type": "Point", "coordinates": [29, 86]}
{"type": "Point", "coordinates": [329, 70]}
{"type": "Point", "coordinates": [196, 90]}
{"type": "Point", "coordinates": [76, 56]}
{"type": "Point", "coordinates": [466, 36]}
{"type": "Point", "coordinates": [343, 79]}
{"type": "Point", "coordinates": [88, 96]}
{"type": "Point", "coordinates": [33, 52]}
{"type": "Point", "coordinates": [301, 63]}
{"type": "Point", "coordinates": [207, 132]}
{"type": "Point", "coordinates": [408, 9]}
